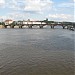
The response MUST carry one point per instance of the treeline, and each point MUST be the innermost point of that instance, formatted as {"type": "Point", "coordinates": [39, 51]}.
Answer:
{"type": "Point", "coordinates": [2, 23]}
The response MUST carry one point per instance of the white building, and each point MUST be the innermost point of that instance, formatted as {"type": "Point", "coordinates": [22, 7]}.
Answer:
{"type": "Point", "coordinates": [8, 21]}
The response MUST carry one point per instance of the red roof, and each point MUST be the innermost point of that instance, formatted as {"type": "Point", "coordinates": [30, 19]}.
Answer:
{"type": "Point", "coordinates": [8, 20]}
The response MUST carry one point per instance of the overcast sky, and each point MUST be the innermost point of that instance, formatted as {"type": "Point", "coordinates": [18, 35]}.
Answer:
{"type": "Point", "coordinates": [57, 10]}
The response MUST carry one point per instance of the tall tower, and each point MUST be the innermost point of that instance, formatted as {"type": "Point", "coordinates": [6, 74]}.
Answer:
{"type": "Point", "coordinates": [46, 19]}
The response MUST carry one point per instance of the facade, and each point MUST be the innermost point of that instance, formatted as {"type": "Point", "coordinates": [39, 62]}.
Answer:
{"type": "Point", "coordinates": [8, 21]}
{"type": "Point", "coordinates": [33, 22]}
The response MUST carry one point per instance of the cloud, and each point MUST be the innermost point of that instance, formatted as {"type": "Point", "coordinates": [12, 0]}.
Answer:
{"type": "Point", "coordinates": [14, 16]}
{"type": "Point", "coordinates": [17, 15]}
{"type": "Point", "coordinates": [15, 4]}
{"type": "Point", "coordinates": [33, 5]}
{"type": "Point", "coordinates": [65, 17]}
{"type": "Point", "coordinates": [68, 4]}
{"type": "Point", "coordinates": [37, 5]}
{"type": "Point", "coordinates": [2, 2]}
{"type": "Point", "coordinates": [3, 17]}
{"type": "Point", "coordinates": [22, 9]}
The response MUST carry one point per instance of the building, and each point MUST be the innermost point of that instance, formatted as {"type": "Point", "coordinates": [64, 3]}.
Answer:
{"type": "Point", "coordinates": [8, 21]}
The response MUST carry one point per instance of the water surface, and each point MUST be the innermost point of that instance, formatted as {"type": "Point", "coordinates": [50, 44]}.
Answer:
{"type": "Point", "coordinates": [37, 51]}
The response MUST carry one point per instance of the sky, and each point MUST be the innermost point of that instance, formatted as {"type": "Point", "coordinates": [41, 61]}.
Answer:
{"type": "Point", "coordinates": [54, 10]}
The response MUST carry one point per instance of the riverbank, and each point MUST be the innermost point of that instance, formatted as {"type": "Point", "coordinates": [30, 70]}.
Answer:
{"type": "Point", "coordinates": [1, 26]}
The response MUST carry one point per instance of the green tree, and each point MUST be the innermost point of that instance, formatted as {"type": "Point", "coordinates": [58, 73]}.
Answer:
{"type": "Point", "coordinates": [13, 23]}
{"type": "Point", "coordinates": [2, 23]}
{"type": "Point", "coordinates": [46, 21]}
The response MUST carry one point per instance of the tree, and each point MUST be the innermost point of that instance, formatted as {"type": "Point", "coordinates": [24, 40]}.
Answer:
{"type": "Point", "coordinates": [46, 21]}
{"type": "Point", "coordinates": [73, 23]}
{"type": "Point", "coordinates": [2, 23]}
{"type": "Point", "coordinates": [13, 23]}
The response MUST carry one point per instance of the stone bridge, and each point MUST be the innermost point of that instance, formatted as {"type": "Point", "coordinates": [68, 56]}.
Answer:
{"type": "Point", "coordinates": [30, 24]}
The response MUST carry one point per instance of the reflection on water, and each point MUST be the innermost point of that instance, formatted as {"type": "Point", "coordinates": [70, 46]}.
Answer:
{"type": "Point", "coordinates": [36, 52]}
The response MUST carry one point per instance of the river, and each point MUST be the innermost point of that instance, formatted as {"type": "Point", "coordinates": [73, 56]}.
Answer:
{"type": "Point", "coordinates": [37, 51]}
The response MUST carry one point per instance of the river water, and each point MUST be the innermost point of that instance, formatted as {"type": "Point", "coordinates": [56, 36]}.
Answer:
{"type": "Point", "coordinates": [37, 51]}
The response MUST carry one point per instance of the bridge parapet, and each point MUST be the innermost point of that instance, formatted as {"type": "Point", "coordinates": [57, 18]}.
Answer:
{"type": "Point", "coordinates": [30, 24]}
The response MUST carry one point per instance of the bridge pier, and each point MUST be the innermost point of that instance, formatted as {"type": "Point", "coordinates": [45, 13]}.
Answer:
{"type": "Point", "coordinates": [63, 27]}
{"type": "Point", "coordinates": [20, 26]}
{"type": "Point", "coordinates": [30, 26]}
{"type": "Point", "coordinates": [41, 26]}
{"type": "Point", "coordinates": [5, 26]}
{"type": "Point", "coordinates": [67, 27]}
{"type": "Point", "coordinates": [12, 26]}
{"type": "Point", "coordinates": [52, 26]}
